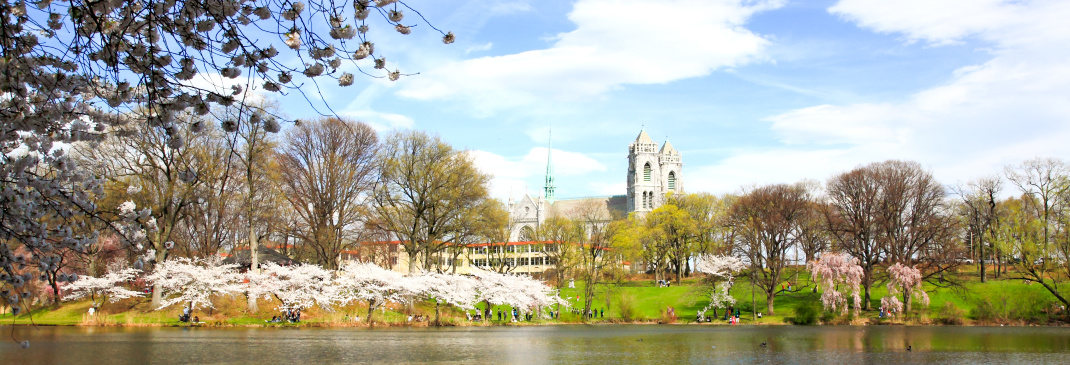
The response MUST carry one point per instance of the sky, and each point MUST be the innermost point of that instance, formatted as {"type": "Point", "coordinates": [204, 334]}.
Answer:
{"type": "Point", "coordinates": [751, 92]}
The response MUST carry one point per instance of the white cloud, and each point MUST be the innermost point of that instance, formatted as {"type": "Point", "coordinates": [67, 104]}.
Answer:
{"type": "Point", "coordinates": [479, 48]}
{"type": "Point", "coordinates": [509, 7]}
{"type": "Point", "coordinates": [615, 43]}
{"type": "Point", "coordinates": [215, 82]}
{"type": "Point", "coordinates": [381, 121]}
{"type": "Point", "coordinates": [520, 175]}
{"type": "Point", "coordinates": [939, 22]}
{"type": "Point", "coordinates": [1007, 109]}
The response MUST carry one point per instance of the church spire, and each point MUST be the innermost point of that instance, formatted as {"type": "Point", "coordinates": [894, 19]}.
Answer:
{"type": "Point", "coordinates": [548, 188]}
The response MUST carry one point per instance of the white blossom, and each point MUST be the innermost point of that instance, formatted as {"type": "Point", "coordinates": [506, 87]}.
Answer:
{"type": "Point", "coordinates": [516, 291]}
{"type": "Point", "coordinates": [721, 268]}
{"type": "Point", "coordinates": [314, 69]}
{"type": "Point", "coordinates": [373, 285]}
{"type": "Point", "coordinates": [105, 288]}
{"type": "Point", "coordinates": [195, 282]}
{"type": "Point", "coordinates": [297, 287]}
{"type": "Point", "coordinates": [346, 79]}
{"type": "Point", "coordinates": [293, 39]}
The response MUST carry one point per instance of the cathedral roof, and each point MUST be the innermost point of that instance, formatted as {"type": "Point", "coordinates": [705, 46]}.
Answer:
{"type": "Point", "coordinates": [644, 138]}
{"type": "Point", "coordinates": [668, 147]}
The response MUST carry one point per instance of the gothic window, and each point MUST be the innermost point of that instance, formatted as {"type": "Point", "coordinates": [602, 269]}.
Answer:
{"type": "Point", "coordinates": [646, 172]}
{"type": "Point", "coordinates": [672, 181]}
{"type": "Point", "coordinates": [527, 234]}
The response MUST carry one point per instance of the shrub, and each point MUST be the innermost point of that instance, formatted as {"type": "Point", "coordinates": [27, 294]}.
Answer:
{"type": "Point", "coordinates": [985, 311]}
{"type": "Point", "coordinates": [628, 309]}
{"type": "Point", "coordinates": [806, 313]}
{"type": "Point", "coordinates": [951, 314]}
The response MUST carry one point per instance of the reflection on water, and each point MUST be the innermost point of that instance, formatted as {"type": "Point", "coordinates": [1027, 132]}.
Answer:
{"type": "Point", "coordinates": [544, 344]}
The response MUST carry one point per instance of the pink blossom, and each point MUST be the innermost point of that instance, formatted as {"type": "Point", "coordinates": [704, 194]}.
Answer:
{"type": "Point", "coordinates": [833, 270]}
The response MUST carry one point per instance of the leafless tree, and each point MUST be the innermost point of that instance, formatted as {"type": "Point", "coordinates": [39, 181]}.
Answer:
{"type": "Point", "coordinates": [1045, 180]}
{"type": "Point", "coordinates": [979, 203]}
{"type": "Point", "coordinates": [327, 172]}
{"type": "Point", "coordinates": [424, 193]}
{"type": "Point", "coordinates": [766, 221]}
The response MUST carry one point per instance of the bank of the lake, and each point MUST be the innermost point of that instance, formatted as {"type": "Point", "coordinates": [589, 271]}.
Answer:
{"type": "Point", "coordinates": [997, 302]}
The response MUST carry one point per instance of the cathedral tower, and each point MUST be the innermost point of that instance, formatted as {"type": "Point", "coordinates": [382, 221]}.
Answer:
{"type": "Point", "coordinates": [652, 173]}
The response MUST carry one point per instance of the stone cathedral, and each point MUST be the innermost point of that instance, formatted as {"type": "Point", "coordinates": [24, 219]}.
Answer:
{"type": "Point", "coordinates": [652, 173]}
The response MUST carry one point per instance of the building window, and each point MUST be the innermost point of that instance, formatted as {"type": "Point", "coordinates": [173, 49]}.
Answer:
{"type": "Point", "coordinates": [646, 172]}
{"type": "Point", "coordinates": [672, 181]}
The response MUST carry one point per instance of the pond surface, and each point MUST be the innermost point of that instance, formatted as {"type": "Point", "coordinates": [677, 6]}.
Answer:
{"type": "Point", "coordinates": [600, 344]}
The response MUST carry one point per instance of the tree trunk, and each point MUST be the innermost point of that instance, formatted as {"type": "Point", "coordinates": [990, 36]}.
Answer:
{"type": "Point", "coordinates": [55, 291]}
{"type": "Point", "coordinates": [254, 261]}
{"type": "Point", "coordinates": [371, 310]}
{"type": "Point", "coordinates": [866, 297]}
{"type": "Point", "coordinates": [437, 323]}
{"type": "Point", "coordinates": [157, 298]}
{"type": "Point", "coordinates": [412, 262]}
{"type": "Point", "coordinates": [753, 304]}
{"type": "Point", "coordinates": [588, 293]}
{"type": "Point", "coordinates": [906, 302]}
{"type": "Point", "coordinates": [769, 300]}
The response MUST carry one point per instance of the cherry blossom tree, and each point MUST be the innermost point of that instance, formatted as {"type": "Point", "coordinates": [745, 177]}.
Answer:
{"type": "Point", "coordinates": [182, 280]}
{"type": "Point", "coordinates": [720, 269]}
{"type": "Point", "coordinates": [457, 290]}
{"type": "Point", "coordinates": [369, 283]}
{"type": "Point", "coordinates": [517, 291]}
{"type": "Point", "coordinates": [840, 275]}
{"type": "Point", "coordinates": [906, 280]}
{"type": "Point", "coordinates": [297, 287]}
{"type": "Point", "coordinates": [107, 288]}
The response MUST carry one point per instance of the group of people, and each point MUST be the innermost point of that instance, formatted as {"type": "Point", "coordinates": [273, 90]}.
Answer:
{"type": "Point", "coordinates": [731, 315]}
{"type": "Point", "coordinates": [287, 315]}
{"type": "Point", "coordinates": [184, 317]}
{"type": "Point", "coordinates": [514, 315]}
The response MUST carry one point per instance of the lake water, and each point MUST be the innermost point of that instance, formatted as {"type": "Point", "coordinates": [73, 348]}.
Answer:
{"type": "Point", "coordinates": [663, 344]}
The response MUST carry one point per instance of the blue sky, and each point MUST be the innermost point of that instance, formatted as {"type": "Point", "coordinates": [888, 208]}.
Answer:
{"type": "Point", "coordinates": [751, 92]}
